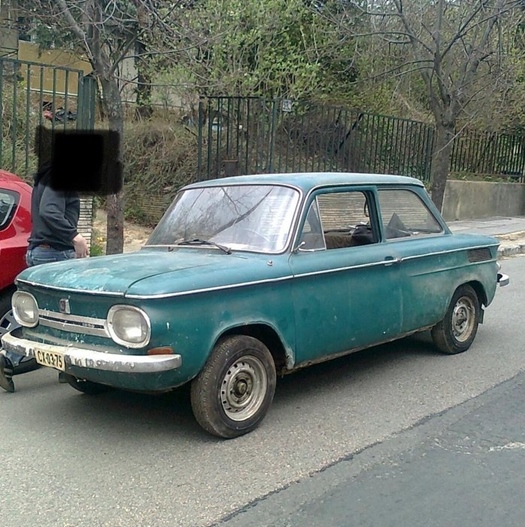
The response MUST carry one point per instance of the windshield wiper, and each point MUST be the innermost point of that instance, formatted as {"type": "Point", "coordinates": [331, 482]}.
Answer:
{"type": "Point", "coordinates": [199, 241]}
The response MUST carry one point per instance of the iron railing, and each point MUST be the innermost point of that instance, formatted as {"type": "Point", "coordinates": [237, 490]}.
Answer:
{"type": "Point", "coordinates": [489, 154]}
{"type": "Point", "coordinates": [252, 135]}
{"type": "Point", "coordinates": [242, 135]}
{"type": "Point", "coordinates": [32, 95]}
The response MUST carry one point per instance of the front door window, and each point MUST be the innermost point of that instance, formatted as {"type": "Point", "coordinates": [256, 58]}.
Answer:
{"type": "Point", "coordinates": [338, 220]}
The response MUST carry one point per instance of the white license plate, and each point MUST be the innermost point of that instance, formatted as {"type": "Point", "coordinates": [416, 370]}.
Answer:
{"type": "Point", "coordinates": [50, 359]}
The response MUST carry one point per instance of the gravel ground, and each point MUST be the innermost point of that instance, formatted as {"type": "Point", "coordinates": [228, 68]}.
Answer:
{"type": "Point", "coordinates": [135, 236]}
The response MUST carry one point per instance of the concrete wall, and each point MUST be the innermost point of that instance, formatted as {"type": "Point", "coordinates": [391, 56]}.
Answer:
{"type": "Point", "coordinates": [470, 200]}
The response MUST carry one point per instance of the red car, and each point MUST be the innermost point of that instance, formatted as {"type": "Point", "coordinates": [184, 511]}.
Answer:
{"type": "Point", "coordinates": [15, 228]}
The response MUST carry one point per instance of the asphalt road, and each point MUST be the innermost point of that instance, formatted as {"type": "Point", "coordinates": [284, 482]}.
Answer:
{"type": "Point", "coordinates": [461, 467]}
{"type": "Point", "coordinates": [123, 459]}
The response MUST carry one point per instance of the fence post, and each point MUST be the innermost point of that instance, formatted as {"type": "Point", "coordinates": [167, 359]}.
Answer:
{"type": "Point", "coordinates": [199, 140]}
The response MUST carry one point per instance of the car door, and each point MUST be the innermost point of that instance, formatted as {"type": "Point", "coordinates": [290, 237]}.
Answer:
{"type": "Point", "coordinates": [345, 291]}
{"type": "Point", "coordinates": [429, 262]}
{"type": "Point", "coordinates": [12, 246]}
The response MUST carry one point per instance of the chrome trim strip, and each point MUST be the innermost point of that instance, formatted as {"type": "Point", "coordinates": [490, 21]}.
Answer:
{"type": "Point", "coordinates": [73, 323]}
{"type": "Point", "coordinates": [349, 268]}
{"type": "Point", "coordinates": [95, 360]}
{"type": "Point", "coordinates": [459, 249]}
{"type": "Point", "coordinates": [270, 280]}
{"type": "Point", "coordinates": [267, 281]}
{"type": "Point", "coordinates": [69, 289]}
{"type": "Point", "coordinates": [209, 289]}
{"type": "Point", "coordinates": [71, 318]}
{"type": "Point", "coordinates": [314, 273]}
{"type": "Point", "coordinates": [65, 326]}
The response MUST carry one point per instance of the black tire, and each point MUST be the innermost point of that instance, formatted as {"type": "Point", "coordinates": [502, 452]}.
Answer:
{"type": "Point", "coordinates": [87, 387]}
{"type": "Point", "coordinates": [233, 392]}
{"type": "Point", "coordinates": [456, 332]}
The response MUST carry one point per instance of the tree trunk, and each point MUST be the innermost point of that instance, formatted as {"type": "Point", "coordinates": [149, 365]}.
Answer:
{"type": "Point", "coordinates": [115, 202]}
{"type": "Point", "coordinates": [441, 162]}
{"type": "Point", "coordinates": [144, 109]}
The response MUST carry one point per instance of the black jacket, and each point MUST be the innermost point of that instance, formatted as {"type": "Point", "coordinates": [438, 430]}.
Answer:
{"type": "Point", "coordinates": [54, 215]}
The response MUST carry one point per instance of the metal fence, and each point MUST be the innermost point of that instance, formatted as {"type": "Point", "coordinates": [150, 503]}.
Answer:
{"type": "Point", "coordinates": [252, 135]}
{"type": "Point", "coordinates": [34, 95]}
{"type": "Point", "coordinates": [489, 154]}
{"type": "Point", "coordinates": [242, 135]}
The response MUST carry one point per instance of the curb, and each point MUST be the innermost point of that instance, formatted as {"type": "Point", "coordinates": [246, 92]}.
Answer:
{"type": "Point", "coordinates": [510, 248]}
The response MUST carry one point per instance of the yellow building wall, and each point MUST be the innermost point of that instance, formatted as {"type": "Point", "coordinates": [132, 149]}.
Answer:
{"type": "Point", "coordinates": [48, 79]}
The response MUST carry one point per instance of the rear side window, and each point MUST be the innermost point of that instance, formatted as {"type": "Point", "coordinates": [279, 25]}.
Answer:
{"type": "Point", "coordinates": [8, 203]}
{"type": "Point", "coordinates": [404, 214]}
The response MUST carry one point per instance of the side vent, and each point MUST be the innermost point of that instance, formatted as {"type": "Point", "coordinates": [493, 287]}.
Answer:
{"type": "Point", "coordinates": [479, 255]}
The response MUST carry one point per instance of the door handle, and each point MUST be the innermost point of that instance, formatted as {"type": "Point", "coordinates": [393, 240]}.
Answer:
{"type": "Point", "coordinates": [391, 260]}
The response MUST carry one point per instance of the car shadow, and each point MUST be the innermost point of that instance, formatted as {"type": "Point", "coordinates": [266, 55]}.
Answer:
{"type": "Point", "coordinates": [330, 374]}
{"type": "Point", "coordinates": [170, 414]}
{"type": "Point", "coordinates": [133, 413]}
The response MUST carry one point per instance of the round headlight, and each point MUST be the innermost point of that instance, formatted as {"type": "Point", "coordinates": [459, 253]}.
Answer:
{"type": "Point", "coordinates": [129, 326]}
{"type": "Point", "coordinates": [25, 309]}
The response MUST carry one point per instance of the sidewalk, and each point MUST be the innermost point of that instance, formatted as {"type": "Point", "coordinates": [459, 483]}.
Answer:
{"type": "Point", "coordinates": [509, 230]}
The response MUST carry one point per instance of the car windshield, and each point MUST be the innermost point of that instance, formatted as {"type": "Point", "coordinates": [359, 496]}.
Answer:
{"type": "Point", "coordinates": [242, 217]}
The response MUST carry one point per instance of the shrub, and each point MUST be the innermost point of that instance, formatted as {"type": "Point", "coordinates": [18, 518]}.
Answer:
{"type": "Point", "coordinates": [159, 158]}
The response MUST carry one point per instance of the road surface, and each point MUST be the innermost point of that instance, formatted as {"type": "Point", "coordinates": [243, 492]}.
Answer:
{"type": "Point", "coordinates": [133, 460]}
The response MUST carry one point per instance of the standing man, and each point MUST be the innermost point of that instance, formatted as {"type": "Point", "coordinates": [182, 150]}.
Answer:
{"type": "Point", "coordinates": [54, 237]}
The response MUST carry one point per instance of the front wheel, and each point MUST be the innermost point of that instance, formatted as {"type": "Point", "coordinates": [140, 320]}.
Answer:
{"type": "Point", "coordinates": [87, 387]}
{"type": "Point", "coordinates": [456, 332]}
{"type": "Point", "coordinates": [235, 389]}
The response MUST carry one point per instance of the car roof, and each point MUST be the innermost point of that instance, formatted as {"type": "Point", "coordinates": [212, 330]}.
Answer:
{"type": "Point", "coordinates": [309, 180]}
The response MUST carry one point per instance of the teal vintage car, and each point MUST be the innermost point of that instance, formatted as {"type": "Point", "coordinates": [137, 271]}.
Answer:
{"type": "Point", "coordinates": [250, 277]}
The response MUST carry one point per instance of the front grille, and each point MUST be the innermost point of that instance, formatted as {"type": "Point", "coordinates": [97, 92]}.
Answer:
{"type": "Point", "coordinates": [73, 323]}
{"type": "Point", "coordinates": [479, 255]}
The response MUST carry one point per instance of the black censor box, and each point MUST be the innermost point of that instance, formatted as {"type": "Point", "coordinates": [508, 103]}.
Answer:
{"type": "Point", "coordinates": [83, 161]}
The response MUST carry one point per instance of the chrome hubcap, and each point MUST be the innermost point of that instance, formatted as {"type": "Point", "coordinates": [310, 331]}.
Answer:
{"type": "Point", "coordinates": [243, 388]}
{"type": "Point", "coordinates": [463, 319]}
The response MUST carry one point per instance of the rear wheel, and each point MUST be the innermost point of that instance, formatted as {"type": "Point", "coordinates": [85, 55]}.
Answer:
{"type": "Point", "coordinates": [456, 332]}
{"type": "Point", "coordinates": [87, 387]}
{"type": "Point", "coordinates": [232, 394]}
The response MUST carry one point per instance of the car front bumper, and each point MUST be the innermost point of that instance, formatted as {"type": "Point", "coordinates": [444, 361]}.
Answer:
{"type": "Point", "coordinates": [75, 357]}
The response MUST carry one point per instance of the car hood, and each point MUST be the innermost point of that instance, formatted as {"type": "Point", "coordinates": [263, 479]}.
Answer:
{"type": "Point", "coordinates": [154, 273]}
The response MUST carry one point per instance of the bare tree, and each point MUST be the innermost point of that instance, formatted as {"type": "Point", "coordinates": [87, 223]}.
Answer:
{"type": "Point", "coordinates": [104, 31]}
{"type": "Point", "coordinates": [455, 46]}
